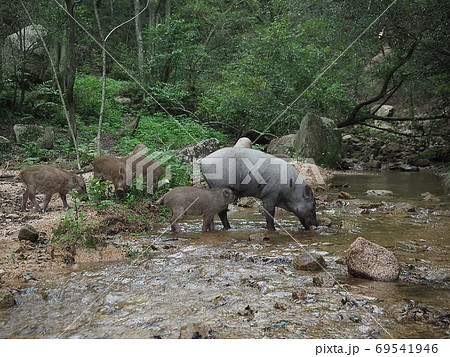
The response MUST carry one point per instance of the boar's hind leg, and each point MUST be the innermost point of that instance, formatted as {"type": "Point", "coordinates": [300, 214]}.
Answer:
{"type": "Point", "coordinates": [176, 215]}
{"type": "Point", "coordinates": [208, 223]}
{"type": "Point", "coordinates": [64, 200]}
{"type": "Point", "coordinates": [32, 196]}
{"type": "Point", "coordinates": [47, 198]}
{"type": "Point", "coordinates": [224, 219]}
{"type": "Point", "coordinates": [269, 212]}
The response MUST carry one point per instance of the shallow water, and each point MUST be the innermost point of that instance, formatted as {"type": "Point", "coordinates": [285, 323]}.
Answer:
{"type": "Point", "coordinates": [225, 285]}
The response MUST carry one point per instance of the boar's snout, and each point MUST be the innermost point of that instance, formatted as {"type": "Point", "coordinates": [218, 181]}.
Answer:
{"type": "Point", "coordinates": [120, 192]}
{"type": "Point", "coordinates": [309, 221]}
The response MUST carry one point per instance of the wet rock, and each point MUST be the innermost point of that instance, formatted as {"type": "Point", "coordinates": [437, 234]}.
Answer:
{"type": "Point", "coordinates": [195, 331]}
{"type": "Point", "coordinates": [430, 197]}
{"type": "Point", "coordinates": [408, 168]}
{"type": "Point", "coordinates": [248, 312]}
{"type": "Point", "coordinates": [324, 221]}
{"type": "Point", "coordinates": [6, 298]}
{"type": "Point", "coordinates": [344, 195]}
{"type": "Point", "coordinates": [106, 254]}
{"type": "Point", "coordinates": [372, 261]}
{"type": "Point", "coordinates": [29, 233]}
{"type": "Point", "coordinates": [379, 193]}
{"type": "Point", "coordinates": [324, 280]}
{"type": "Point", "coordinates": [309, 262]}
{"type": "Point", "coordinates": [416, 160]}
{"type": "Point", "coordinates": [219, 301]}
{"type": "Point", "coordinates": [373, 164]}
{"type": "Point", "coordinates": [259, 237]}
{"type": "Point", "coordinates": [299, 295]}
{"type": "Point", "coordinates": [280, 306]}
{"type": "Point", "coordinates": [410, 246]}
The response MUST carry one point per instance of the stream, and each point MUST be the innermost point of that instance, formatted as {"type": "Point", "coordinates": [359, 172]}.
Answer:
{"type": "Point", "coordinates": [241, 283]}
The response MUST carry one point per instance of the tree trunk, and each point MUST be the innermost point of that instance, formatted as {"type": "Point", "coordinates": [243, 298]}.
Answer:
{"type": "Point", "coordinates": [95, 4]}
{"type": "Point", "coordinates": [71, 66]}
{"type": "Point", "coordinates": [138, 27]}
{"type": "Point", "coordinates": [167, 11]}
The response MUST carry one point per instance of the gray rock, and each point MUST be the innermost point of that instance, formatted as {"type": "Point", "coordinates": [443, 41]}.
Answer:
{"type": "Point", "coordinates": [41, 136]}
{"type": "Point", "coordinates": [372, 261]}
{"type": "Point", "coordinates": [319, 138]}
{"type": "Point", "coordinates": [199, 150]}
{"type": "Point", "coordinates": [29, 233]}
{"type": "Point", "coordinates": [324, 280]}
{"type": "Point", "coordinates": [384, 111]}
{"type": "Point", "coordinates": [379, 193]}
{"type": "Point", "coordinates": [309, 262]}
{"type": "Point", "coordinates": [5, 144]}
{"type": "Point", "coordinates": [282, 145]}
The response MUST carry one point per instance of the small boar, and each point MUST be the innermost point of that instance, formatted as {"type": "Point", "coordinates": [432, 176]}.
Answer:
{"type": "Point", "coordinates": [49, 180]}
{"type": "Point", "coordinates": [111, 168]}
{"type": "Point", "coordinates": [196, 201]}
{"type": "Point", "coordinates": [137, 163]}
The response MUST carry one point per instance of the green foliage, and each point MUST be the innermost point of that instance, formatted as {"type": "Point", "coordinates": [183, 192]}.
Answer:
{"type": "Point", "coordinates": [161, 131]}
{"type": "Point", "coordinates": [100, 195]}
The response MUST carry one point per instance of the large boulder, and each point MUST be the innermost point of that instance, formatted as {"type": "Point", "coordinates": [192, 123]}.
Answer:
{"type": "Point", "coordinates": [372, 261]}
{"type": "Point", "coordinates": [199, 150]}
{"type": "Point", "coordinates": [41, 136]}
{"type": "Point", "coordinates": [319, 138]}
{"type": "Point", "coordinates": [283, 145]}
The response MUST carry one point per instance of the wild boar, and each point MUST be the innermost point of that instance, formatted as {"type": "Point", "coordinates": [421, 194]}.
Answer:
{"type": "Point", "coordinates": [49, 180]}
{"type": "Point", "coordinates": [111, 168]}
{"type": "Point", "coordinates": [138, 163]}
{"type": "Point", "coordinates": [254, 173]}
{"type": "Point", "coordinates": [196, 201]}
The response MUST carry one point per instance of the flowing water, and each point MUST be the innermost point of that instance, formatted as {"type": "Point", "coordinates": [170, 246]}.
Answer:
{"type": "Point", "coordinates": [241, 283]}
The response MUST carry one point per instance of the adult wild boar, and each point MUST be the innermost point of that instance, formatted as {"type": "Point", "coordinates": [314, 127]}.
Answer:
{"type": "Point", "coordinates": [49, 180]}
{"type": "Point", "coordinates": [254, 173]}
{"type": "Point", "coordinates": [196, 201]}
{"type": "Point", "coordinates": [111, 168]}
{"type": "Point", "coordinates": [138, 163]}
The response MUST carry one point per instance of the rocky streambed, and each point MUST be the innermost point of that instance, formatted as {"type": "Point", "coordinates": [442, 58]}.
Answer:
{"type": "Point", "coordinates": [245, 283]}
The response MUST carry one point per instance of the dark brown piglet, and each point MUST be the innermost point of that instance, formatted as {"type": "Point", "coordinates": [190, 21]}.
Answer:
{"type": "Point", "coordinates": [49, 180]}
{"type": "Point", "coordinates": [111, 168]}
{"type": "Point", "coordinates": [196, 201]}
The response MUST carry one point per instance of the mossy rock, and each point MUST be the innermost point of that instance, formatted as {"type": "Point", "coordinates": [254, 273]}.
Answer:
{"type": "Point", "coordinates": [319, 138]}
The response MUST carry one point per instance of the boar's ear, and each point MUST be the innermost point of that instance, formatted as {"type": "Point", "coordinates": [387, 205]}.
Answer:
{"type": "Point", "coordinates": [307, 192]}
{"type": "Point", "coordinates": [226, 193]}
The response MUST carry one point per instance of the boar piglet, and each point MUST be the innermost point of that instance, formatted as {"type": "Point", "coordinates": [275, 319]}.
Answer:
{"type": "Point", "coordinates": [138, 163]}
{"type": "Point", "coordinates": [49, 180]}
{"type": "Point", "coordinates": [196, 201]}
{"type": "Point", "coordinates": [111, 168]}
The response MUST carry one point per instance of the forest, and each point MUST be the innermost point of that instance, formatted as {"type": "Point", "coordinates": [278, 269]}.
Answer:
{"type": "Point", "coordinates": [178, 71]}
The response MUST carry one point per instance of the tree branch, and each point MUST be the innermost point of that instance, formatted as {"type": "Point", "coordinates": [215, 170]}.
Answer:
{"type": "Point", "coordinates": [353, 117]}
